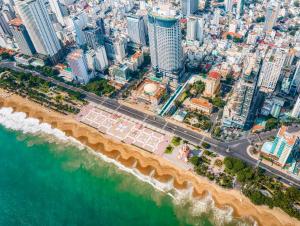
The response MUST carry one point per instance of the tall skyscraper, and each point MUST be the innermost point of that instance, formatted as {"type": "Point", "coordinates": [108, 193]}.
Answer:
{"type": "Point", "coordinates": [4, 26]}
{"type": "Point", "coordinates": [228, 5]}
{"type": "Point", "coordinates": [189, 7]}
{"type": "Point", "coordinates": [101, 60]}
{"type": "Point", "coordinates": [271, 69]}
{"type": "Point", "coordinates": [21, 37]}
{"type": "Point", "coordinates": [195, 27]}
{"type": "Point", "coordinates": [165, 42]}
{"type": "Point", "coordinates": [120, 49]}
{"type": "Point", "coordinates": [296, 109]}
{"type": "Point", "coordinates": [56, 9]}
{"type": "Point", "coordinates": [271, 15]}
{"type": "Point", "coordinates": [240, 8]}
{"type": "Point", "coordinates": [40, 29]}
{"type": "Point", "coordinates": [93, 37]}
{"type": "Point", "coordinates": [136, 29]}
{"type": "Point", "coordinates": [78, 64]}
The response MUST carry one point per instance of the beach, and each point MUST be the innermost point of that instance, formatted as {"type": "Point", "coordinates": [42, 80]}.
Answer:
{"type": "Point", "coordinates": [148, 163]}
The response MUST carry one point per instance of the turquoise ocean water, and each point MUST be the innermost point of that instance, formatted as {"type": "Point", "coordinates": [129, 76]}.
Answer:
{"type": "Point", "coordinates": [45, 182]}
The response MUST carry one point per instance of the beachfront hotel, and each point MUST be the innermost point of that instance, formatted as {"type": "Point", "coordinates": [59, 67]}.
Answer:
{"type": "Point", "coordinates": [284, 150]}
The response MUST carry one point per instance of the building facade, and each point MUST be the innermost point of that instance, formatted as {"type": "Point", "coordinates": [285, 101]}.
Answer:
{"type": "Point", "coordinates": [189, 7]}
{"type": "Point", "coordinates": [79, 66]}
{"type": "Point", "coordinates": [271, 69]}
{"type": "Point", "coordinates": [284, 150]}
{"type": "Point", "coordinates": [271, 15]}
{"type": "Point", "coordinates": [21, 37]}
{"type": "Point", "coordinates": [136, 29]}
{"type": "Point", "coordinates": [165, 43]}
{"type": "Point", "coordinates": [39, 26]}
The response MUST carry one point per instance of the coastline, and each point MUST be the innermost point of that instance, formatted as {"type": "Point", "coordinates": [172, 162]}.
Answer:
{"type": "Point", "coordinates": [147, 163]}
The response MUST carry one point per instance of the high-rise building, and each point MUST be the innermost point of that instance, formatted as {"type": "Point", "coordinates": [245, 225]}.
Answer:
{"type": "Point", "coordinates": [240, 109]}
{"type": "Point", "coordinates": [4, 26]}
{"type": "Point", "coordinates": [296, 109]}
{"type": "Point", "coordinates": [101, 61]}
{"type": "Point", "coordinates": [93, 37]}
{"type": "Point", "coordinates": [189, 7]}
{"type": "Point", "coordinates": [79, 23]}
{"type": "Point", "coordinates": [136, 29]}
{"type": "Point", "coordinates": [78, 64]}
{"type": "Point", "coordinates": [120, 49]}
{"type": "Point", "coordinates": [165, 42]}
{"type": "Point", "coordinates": [271, 15]}
{"type": "Point", "coordinates": [284, 150]}
{"type": "Point", "coordinates": [39, 26]}
{"type": "Point", "coordinates": [56, 9]}
{"type": "Point", "coordinates": [271, 69]}
{"type": "Point", "coordinates": [240, 8]}
{"type": "Point", "coordinates": [228, 5]}
{"type": "Point", "coordinates": [21, 37]}
{"type": "Point", "coordinates": [195, 27]}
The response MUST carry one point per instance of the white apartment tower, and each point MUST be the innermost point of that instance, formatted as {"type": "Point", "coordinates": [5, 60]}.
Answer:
{"type": "Point", "coordinates": [78, 64]}
{"type": "Point", "coordinates": [101, 58]}
{"type": "Point", "coordinates": [165, 42]}
{"type": "Point", "coordinates": [296, 109]}
{"type": "Point", "coordinates": [136, 29]}
{"type": "Point", "coordinates": [228, 5]}
{"type": "Point", "coordinates": [195, 27]}
{"type": "Point", "coordinates": [55, 7]}
{"type": "Point", "coordinates": [189, 7]}
{"type": "Point", "coordinates": [271, 69]}
{"type": "Point", "coordinates": [271, 15]}
{"type": "Point", "coordinates": [39, 26]}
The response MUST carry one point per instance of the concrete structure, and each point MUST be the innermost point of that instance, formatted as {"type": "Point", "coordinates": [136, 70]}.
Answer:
{"type": "Point", "coordinates": [136, 29]}
{"type": "Point", "coordinates": [284, 150]}
{"type": "Point", "coordinates": [39, 26]}
{"type": "Point", "coordinates": [149, 92]}
{"type": "Point", "coordinates": [189, 7]}
{"type": "Point", "coordinates": [271, 69]}
{"type": "Point", "coordinates": [119, 73]}
{"type": "Point", "coordinates": [165, 42]}
{"type": "Point", "coordinates": [199, 104]}
{"type": "Point", "coordinates": [195, 29]}
{"type": "Point", "coordinates": [212, 83]}
{"type": "Point", "coordinates": [78, 64]}
{"type": "Point", "coordinates": [272, 106]}
{"type": "Point", "coordinates": [120, 49]}
{"type": "Point", "coordinates": [4, 26]}
{"type": "Point", "coordinates": [271, 15]}
{"type": "Point", "coordinates": [101, 61]}
{"type": "Point", "coordinates": [228, 5]}
{"type": "Point", "coordinates": [238, 110]}
{"type": "Point", "coordinates": [296, 109]}
{"type": "Point", "coordinates": [93, 37]}
{"type": "Point", "coordinates": [55, 6]}
{"type": "Point", "coordinates": [21, 37]}
{"type": "Point", "coordinates": [240, 8]}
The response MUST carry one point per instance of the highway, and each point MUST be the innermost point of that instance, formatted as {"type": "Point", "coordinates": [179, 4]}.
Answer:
{"type": "Point", "coordinates": [236, 148]}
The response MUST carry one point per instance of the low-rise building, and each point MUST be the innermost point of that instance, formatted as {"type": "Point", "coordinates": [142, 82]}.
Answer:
{"type": "Point", "coordinates": [199, 104]}
{"type": "Point", "coordinates": [149, 92]}
{"type": "Point", "coordinates": [119, 73]}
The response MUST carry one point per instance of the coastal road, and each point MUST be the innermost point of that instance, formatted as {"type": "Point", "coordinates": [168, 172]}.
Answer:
{"type": "Point", "coordinates": [236, 148]}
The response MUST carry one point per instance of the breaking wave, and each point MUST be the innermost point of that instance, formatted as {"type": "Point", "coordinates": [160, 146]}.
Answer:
{"type": "Point", "coordinates": [18, 121]}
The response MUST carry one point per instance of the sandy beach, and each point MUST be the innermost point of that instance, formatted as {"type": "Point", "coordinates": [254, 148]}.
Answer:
{"type": "Point", "coordinates": [147, 163]}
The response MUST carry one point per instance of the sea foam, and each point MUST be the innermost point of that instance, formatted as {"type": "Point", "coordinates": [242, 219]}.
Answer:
{"type": "Point", "coordinates": [18, 121]}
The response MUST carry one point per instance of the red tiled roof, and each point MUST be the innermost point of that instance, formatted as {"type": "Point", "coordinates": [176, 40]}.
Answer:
{"type": "Point", "coordinates": [214, 74]}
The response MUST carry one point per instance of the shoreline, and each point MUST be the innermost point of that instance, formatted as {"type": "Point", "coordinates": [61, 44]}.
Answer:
{"type": "Point", "coordinates": [147, 163]}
